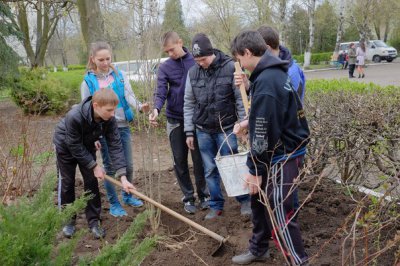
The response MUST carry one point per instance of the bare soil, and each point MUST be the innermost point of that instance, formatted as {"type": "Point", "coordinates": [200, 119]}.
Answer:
{"type": "Point", "coordinates": [321, 218]}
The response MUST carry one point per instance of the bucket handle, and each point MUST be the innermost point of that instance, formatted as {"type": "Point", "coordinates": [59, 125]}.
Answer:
{"type": "Point", "coordinates": [222, 144]}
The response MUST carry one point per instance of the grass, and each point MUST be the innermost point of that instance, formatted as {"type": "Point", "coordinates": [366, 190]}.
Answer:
{"type": "Point", "coordinates": [5, 94]}
{"type": "Point", "coordinates": [320, 66]}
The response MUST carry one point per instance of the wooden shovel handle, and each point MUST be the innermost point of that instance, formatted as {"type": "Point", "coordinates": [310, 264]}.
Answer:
{"type": "Point", "coordinates": [238, 69]}
{"type": "Point", "coordinates": [210, 233]}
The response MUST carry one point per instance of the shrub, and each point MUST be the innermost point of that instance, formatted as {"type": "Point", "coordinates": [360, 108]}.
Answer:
{"type": "Point", "coordinates": [316, 58]}
{"type": "Point", "coordinates": [355, 126]}
{"type": "Point", "coordinates": [29, 227]}
{"type": "Point", "coordinates": [72, 80]}
{"type": "Point", "coordinates": [70, 67]}
{"type": "Point", "coordinates": [38, 93]}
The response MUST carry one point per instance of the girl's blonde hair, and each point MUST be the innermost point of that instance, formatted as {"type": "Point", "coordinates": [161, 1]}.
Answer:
{"type": "Point", "coordinates": [94, 48]}
{"type": "Point", "coordinates": [104, 97]}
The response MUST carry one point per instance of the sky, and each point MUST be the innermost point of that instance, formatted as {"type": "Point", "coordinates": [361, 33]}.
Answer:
{"type": "Point", "coordinates": [192, 9]}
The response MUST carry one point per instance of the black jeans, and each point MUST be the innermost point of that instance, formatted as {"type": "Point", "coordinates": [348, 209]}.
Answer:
{"type": "Point", "coordinates": [66, 165]}
{"type": "Point", "coordinates": [180, 150]}
{"type": "Point", "coordinates": [351, 70]}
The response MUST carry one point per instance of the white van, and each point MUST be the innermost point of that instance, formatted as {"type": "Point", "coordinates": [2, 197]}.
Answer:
{"type": "Point", "coordinates": [140, 70]}
{"type": "Point", "coordinates": [377, 50]}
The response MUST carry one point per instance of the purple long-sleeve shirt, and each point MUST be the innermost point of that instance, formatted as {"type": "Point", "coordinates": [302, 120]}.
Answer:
{"type": "Point", "coordinates": [171, 80]}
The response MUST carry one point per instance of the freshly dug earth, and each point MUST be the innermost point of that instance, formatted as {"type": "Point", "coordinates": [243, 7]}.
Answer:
{"type": "Point", "coordinates": [320, 219]}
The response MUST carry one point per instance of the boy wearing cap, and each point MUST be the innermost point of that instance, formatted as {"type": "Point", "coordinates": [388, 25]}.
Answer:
{"type": "Point", "coordinates": [278, 134]}
{"type": "Point", "coordinates": [171, 79]}
{"type": "Point", "coordinates": [212, 105]}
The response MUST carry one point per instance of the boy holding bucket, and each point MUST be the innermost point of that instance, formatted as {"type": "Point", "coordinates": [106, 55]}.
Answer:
{"type": "Point", "coordinates": [212, 105]}
{"type": "Point", "coordinates": [278, 134]}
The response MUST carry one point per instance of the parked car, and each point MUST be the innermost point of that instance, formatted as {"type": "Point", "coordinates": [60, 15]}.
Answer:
{"type": "Point", "coordinates": [140, 70]}
{"type": "Point", "coordinates": [377, 50]}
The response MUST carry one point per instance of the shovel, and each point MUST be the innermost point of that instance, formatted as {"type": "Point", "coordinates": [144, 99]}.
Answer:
{"type": "Point", "coordinates": [238, 69]}
{"type": "Point", "coordinates": [182, 218]}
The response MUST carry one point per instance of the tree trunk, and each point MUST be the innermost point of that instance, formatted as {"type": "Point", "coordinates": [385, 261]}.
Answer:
{"type": "Point", "coordinates": [92, 22]}
{"type": "Point", "coordinates": [45, 27]}
{"type": "Point", "coordinates": [339, 32]}
{"type": "Point", "coordinates": [377, 26]}
{"type": "Point", "coordinates": [311, 15]}
{"type": "Point", "coordinates": [282, 17]}
{"type": "Point", "coordinates": [387, 29]}
{"type": "Point", "coordinates": [23, 25]}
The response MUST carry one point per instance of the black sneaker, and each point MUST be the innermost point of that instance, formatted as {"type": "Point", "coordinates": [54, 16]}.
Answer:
{"type": "Point", "coordinates": [97, 231]}
{"type": "Point", "coordinates": [190, 207]}
{"type": "Point", "coordinates": [204, 204]}
{"type": "Point", "coordinates": [247, 258]}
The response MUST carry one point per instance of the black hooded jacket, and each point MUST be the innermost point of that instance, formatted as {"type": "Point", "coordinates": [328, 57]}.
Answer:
{"type": "Point", "coordinates": [77, 132]}
{"type": "Point", "coordinates": [277, 124]}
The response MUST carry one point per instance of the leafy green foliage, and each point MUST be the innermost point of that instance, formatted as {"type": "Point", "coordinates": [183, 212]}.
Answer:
{"type": "Point", "coordinates": [297, 30]}
{"type": "Point", "coordinates": [326, 23]}
{"type": "Point", "coordinates": [173, 20]}
{"type": "Point", "coordinates": [395, 39]}
{"type": "Point", "coordinates": [72, 80]}
{"type": "Point", "coordinates": [121, 253]}
{"type": "Point", "coordinates": [37, 92]}
{"type": "Point", "coordinates": [354, 125]}
{"type": "Point", "coordinates": [8, 57]}
{"type": "Point", "coordinates": [70, 67]}
{"type": "Point", "coordinates": [28, 228]}
{"type": "Point", "coordinates": [316, 58]}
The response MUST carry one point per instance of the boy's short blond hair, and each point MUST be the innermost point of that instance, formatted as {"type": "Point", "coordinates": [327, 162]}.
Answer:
{"type": "Point", "coordinates": [104, 97]}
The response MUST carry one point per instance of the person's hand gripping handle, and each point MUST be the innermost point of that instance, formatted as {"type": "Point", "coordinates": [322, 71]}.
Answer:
{"type": "Point", "coordinates": [238, 69]}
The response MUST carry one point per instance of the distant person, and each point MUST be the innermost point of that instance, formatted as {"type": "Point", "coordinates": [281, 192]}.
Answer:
{"type": "Point", "coordinates": [360, 63]}
{"type": "Point", "coordinates": [341, 59]}
{"type": "Point", "coordinates": [75, 140]}
{"type": "Point", "coordinates": [171, 79]}
{"type": "Point", "coordinates": [278, 134]}
{"type": "Point", "coordinates": [212, 107]}
{"type": "Point", "coordinates": [352, 60]}
{"type": "Point", "coordinates": [346, 60]}
{"type": "Point", "coordinates": [102, 74]}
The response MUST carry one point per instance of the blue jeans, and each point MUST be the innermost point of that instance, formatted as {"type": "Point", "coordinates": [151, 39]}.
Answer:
{"type": "Point", "coordinates": [209, 144]}
{"type": "Point", "coordinates": [125, 135]}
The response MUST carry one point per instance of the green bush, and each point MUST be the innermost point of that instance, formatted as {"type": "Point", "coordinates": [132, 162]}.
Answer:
{"type": "Point", "coordinates": [324, 85]}
{"type": "Point", "coordinates": [36, 92]}
{"type": "Point", "coordinates": [72, 81]}
{"type": "Point", "coordinates": [70, 67]}
{"type": "Point", "coordinates": [28, 229]}
{"type": "Point", "coordinates": [354, 126]}
{"type": "Point", "coordinates": [316, 58]}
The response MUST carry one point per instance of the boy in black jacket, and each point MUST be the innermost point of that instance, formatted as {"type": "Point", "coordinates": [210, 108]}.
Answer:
{"type": "Point", "coordinates": [278, 133]}
{"type": "Point", "coordinates": [76, 140]}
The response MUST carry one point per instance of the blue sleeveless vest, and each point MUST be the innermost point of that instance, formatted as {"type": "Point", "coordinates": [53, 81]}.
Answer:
{"type": "Point", "coordinates": [118, 87]}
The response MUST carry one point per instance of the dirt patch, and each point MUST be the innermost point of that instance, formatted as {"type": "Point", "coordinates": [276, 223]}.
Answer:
{"type": "Point", "coordinates": [320, 219]}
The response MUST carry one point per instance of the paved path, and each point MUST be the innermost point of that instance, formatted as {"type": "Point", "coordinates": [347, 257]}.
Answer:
{"type": "Point", "coordinates": [382, 73]}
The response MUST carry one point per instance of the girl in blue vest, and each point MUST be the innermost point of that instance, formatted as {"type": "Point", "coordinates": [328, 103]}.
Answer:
{"type": "Point", "coordinates": [102, 74]}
